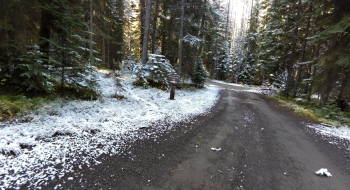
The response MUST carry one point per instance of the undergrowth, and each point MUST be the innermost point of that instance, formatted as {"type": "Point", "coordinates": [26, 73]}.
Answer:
{"type": "Point", "coordinates": [329, 114]}
{"type": "Point", "coordinates": [188, 86]}
{"type": "Point", "coordinates": [19, 105]}
{"type": "Point", "coordinates": [14, 105]}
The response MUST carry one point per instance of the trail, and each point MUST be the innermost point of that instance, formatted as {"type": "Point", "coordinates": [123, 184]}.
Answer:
{"type": "Point", "coordinates": [258, 143]}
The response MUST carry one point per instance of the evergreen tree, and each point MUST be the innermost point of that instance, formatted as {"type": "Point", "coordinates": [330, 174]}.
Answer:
{"type": "Point", "coordinates": [247, 73]}
{"type": "Point", "coordinates": [332, 69]}
{"type": "Point", "coordinates": [18, 27]}
{"type": "Point", "coordinates": [199, 74]}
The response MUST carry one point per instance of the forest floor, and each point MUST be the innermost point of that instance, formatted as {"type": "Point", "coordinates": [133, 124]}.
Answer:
{"type": "Point", "coordinates": [247, 141]}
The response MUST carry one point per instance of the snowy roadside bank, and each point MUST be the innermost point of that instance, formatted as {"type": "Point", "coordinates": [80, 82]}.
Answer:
{"type": "Point", "coordinates": [61, 135]}
{"type": "Point", "coordinates": [337, 136]}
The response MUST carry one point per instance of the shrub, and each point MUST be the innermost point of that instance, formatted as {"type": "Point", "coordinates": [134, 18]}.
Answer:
{"type": "Point", "coordinates": [154, 73]}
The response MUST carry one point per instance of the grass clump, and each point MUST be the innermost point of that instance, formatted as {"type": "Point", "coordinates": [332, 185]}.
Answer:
{"type": "Point", "coordinates": [330, 113]}
{"type": "Point", "coordinates": [188, 86]}
{"type": "Point", "coordinates": [13, 106]}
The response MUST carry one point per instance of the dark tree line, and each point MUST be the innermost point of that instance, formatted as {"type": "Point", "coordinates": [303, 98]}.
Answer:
{"type": "Point", "coordinates": [48, 45]}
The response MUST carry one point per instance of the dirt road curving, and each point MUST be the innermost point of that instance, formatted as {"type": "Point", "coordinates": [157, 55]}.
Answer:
{"type": "Point", "coordinates": [258, 144]}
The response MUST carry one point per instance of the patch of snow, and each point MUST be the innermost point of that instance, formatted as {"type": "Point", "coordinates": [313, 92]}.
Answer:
{"type": "Point", "coordinates": [337, 136]}
{"type": "Point", "coordinates": [323, 172]}
{"type": "Point", "coordinates": [65, 134]}
{"type": "Point", "coordinates": [248, 87]}
{"type": "Point", "coordinates": [232, 84]}
{"type": "Point", "coordinates": [216, 149]}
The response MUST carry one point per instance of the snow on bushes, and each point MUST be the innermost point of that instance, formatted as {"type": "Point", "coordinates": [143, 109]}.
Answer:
{"type": "Point", "coordinates": [51, 146]}
{"type": "Point", "coordinates": [154, 73]}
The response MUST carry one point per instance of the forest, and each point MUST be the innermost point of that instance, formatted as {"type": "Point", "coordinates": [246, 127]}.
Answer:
{"type": "Point", "coordinates": [299, 46]}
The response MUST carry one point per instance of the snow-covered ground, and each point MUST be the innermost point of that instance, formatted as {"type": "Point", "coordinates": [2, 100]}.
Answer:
{"type": "Point", "coordinates": [248, 88]}
{"type": "Point", "coordinates": [234, 84]}
{"type": "Point", "coordinates": [338, 136]}
{"type": "Point", "coordinates": [68, 133]}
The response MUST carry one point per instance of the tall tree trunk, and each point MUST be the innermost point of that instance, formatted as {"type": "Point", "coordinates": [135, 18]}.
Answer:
{"type": "Point", "coordinates": [103, 51]}
{"type": "Point", "coordinates": [108, 48]}
{"type": "Point", "coordinates": [163, 40]}
{"type": "Point", "coordinates": [91, 32]}
{"type": "Point", "coordinates": [142, 22]}
{"type": "Point", "coordinates": [315, 53]}
{"type": "Point", "coordinates": [64, 62]}
{"type": "Point", "coordinates": [343, 82]}
{"type": "Point", "coordinates": [154, 31]}
{"type": "Point", "coordinates": [146, 32]}
{"type": "Point", "coordinates": [326, 87]}
{"type": "Point", "coordinates": [227, 19]}
{"type": "Point", "coordinates": [180, 37]}
{"type": "Point", "coordinates": [45, 30]}
{"type": "Point", "coordinates": [201, 34]}
{"type": "Point", "coordinates": [215, 55]}
{"type": "Point", "coordinates": [293, 54]}
{"type": "Point", "coordinates": [300, 67]}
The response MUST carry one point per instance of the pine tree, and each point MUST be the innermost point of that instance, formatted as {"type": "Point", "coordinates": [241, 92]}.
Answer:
{"type": "Point", "coordinates": [67, 59]}
{"type": "Point", "coordinates": [334, 61]}
{"type": "Point", "coordinates": [199, 74]}
{"type": "Point", "coordinates": [247, 73]}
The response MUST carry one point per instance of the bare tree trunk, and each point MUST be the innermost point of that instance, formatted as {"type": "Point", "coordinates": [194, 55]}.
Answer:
{"type": "Point", "coordinates": [215, 48]}
{"type": "Point", "coordinates": [215, 55]}
{"type": "Point", "coordinates": [343, 82]}
{"type": "Point", "coordinates": [142, 22]}
{"type": "Point", "coordinates": [154, 31]}
{"type": "Point", "coordinates": [300, 67]}
{"type": "Point", "coordinates": [227, 19]}
{"type": "Point", "coordinates": [45, 30]}
{"type": "Point", "coordinates": [103, 52]}
{"type": "Point", "coordinates": [163, 34]}
{"type": "Point", "coordinates": [326, 87]}
{"type": "Point", "coordinates": [293, 54]}
{"type": "Point", "coordinates": [180, 37]}
{"type": "Point", "coordinates": [315, 53]}
{"type": "Point", "coordinates": [146, 32]}
{"type": "Point", "coordinates": [108, 48]}
{"type": "Point", "coordinates": [90, 31]}
{"type": "Point", "coordinates": [201, 34]}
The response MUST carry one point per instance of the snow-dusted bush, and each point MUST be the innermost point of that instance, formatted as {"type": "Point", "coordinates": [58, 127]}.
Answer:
{"type": "Point", "coordinates": [129, 64]}
{"type": "Point", "coordinates": [154, 73]}
{"type": "Point", "coordinates": [192, 40]}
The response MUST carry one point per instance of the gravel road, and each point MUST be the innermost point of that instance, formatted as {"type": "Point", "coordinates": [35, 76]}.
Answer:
{"type": "Point", "coordinates": [258, 144]}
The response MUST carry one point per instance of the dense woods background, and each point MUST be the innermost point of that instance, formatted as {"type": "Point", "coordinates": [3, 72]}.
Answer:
{"type": "Point", "coordinates": [300, 46]}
